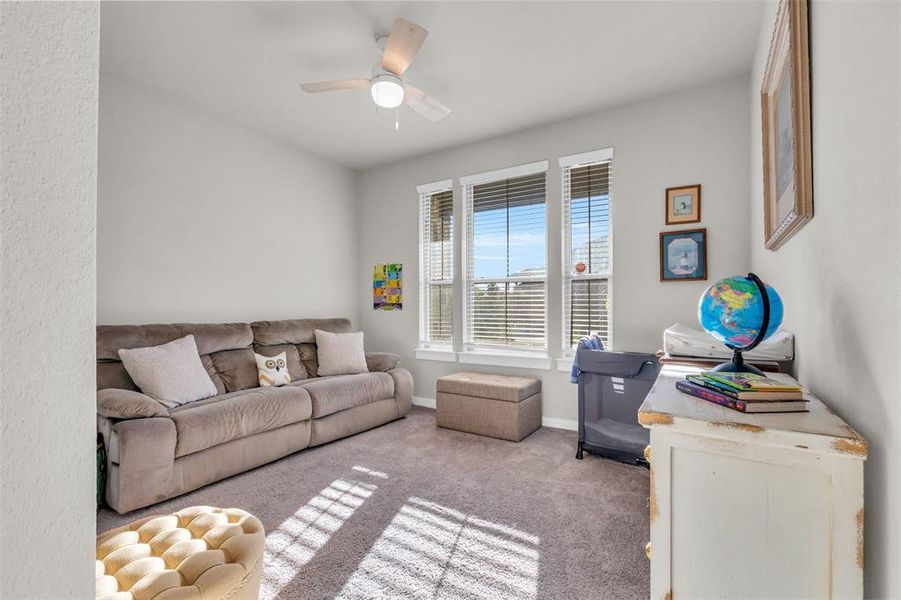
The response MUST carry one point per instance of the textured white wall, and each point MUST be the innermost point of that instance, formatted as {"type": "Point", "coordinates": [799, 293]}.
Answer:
{"type": "Point", "coordinates": [48, 171]}
{"type": "Point", "coordinates": [839, 276]}
{"type": "Point", "coordinates": [202, 220]}
{"type": "Point", "coordinates": [699, 136]}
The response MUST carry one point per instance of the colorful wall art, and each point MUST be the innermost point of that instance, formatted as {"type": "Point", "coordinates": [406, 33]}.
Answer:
{"type": "Point", "coordinates": [388, 286]}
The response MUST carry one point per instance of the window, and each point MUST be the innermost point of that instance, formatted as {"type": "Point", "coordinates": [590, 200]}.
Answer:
{"type": "Point", "coordinates": [506, 258]}
{"type": "Point", "coordinates": [587, 257]}
{"type": "Point", "coordinates": [436, 264]}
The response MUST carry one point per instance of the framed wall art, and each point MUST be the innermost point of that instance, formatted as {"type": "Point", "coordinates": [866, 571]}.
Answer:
{"type": "Point", "coordinates": [683, 255]}
{"type": "Point", "coordinates": [785, 107]}
{"type": "Point", "coordinates": [388, 286]}
{"type": "Point", "coordinates": [683, 204]}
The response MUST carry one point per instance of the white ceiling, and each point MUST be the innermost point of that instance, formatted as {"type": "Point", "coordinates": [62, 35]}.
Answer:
{"type": "Point", "coordinates": [501, 66]}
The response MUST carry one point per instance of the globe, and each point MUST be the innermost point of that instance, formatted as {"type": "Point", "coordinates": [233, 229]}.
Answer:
{"type": "Point", "coordinates": [731, 310]}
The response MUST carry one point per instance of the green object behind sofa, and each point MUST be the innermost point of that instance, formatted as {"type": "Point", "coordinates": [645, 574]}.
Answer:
{"type": "Point", "coordinates": [101, 471]}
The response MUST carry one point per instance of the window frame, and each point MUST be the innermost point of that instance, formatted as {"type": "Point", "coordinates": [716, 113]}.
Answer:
{"type": "Point", "coordinates": [567, 163]}
{"type": "Point", "coordinates": [424, 194]}
{"type": "Point", "coordinates": [479, 353]}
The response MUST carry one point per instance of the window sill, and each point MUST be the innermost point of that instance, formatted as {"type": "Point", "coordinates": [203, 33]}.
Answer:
{"type": "Point", "coordinates": [439, 354]}
{"type": "Point", "coordinates": [565, 364]}
{"type": "Point", "coordinates": [506, 359]}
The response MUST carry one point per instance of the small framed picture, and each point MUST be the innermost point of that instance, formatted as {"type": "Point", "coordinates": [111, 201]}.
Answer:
{"type": "Point", "coordinates": [683, 255]}
{"type": "Point", "coordinates": [683, 204]}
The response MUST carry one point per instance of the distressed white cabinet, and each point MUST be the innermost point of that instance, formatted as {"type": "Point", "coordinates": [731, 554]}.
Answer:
{"type": "Point", "coordinates": [751, 506]}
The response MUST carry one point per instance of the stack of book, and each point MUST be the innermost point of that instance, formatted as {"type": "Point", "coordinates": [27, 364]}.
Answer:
{"type": "Point", "coordinates": [745, 392]}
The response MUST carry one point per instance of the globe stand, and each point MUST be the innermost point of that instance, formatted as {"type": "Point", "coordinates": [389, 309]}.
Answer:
{"type": "Point", "coordinates": [738, 364]}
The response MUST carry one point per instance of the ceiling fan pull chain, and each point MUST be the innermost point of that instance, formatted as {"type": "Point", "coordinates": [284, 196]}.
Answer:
{"type": "Point", "coordinates": [396, 118]}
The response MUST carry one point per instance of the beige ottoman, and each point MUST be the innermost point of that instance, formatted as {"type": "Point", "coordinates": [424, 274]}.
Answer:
{"type": "Point", "coordinates": [199, 553]}
{"type": "Point", "coordinates": [499, 406]}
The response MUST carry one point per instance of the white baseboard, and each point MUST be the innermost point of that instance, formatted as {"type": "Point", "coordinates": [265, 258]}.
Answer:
{"type": "Point", "coordinates": [427, 402]}
{"type": "Point", "coordinates": [569, 424]}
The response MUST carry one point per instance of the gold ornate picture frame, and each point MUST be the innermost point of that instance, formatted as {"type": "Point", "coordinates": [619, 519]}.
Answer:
{"type": "Point", "coordinates": [785, 105]}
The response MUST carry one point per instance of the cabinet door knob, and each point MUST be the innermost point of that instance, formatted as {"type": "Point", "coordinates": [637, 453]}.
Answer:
{"type": "Point", "coordinates": [647, 550]}
{"type": "Point", "coordinates": [647, 453]}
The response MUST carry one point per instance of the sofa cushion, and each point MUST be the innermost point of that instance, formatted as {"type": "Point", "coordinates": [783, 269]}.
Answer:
{"type": "Point", "coordinates": [112, 374]}
{"type": "Point", "coordinates": [295, 331]}
{"type": "Point", "coordinates": [308, 358]}
{"type": "Point", "coordinates": [207, 361]}
{"type": "Point", "coordinates": [210, 337]}
{"type": "Point", "coordinates": [340, 353]}
{"type": "Point", "coordinates": [236, 415]}
{"type": "Point", "coordinates": [333, 394]}
{"type": "Point", "coordinates": [171, 373]}
{"type": "Point", "coordinates": [236, 368]}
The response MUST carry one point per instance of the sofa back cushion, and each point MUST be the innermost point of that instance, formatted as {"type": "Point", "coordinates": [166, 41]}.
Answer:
{"type": "Point", "coordinates": [274, 337]}
{"type": "Point", "coordinates": [225, 351]}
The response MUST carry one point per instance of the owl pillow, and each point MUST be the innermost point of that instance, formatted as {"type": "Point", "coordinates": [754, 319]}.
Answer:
{"type": "Point", "coordinates": [273, 370]}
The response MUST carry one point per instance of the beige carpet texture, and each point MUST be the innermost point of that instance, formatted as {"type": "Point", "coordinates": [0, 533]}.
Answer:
{"type": "Point", "coordinates": [408, 510]}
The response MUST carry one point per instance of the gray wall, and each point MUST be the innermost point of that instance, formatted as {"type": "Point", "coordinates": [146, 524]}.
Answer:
{"type": "Point", "coordinates": [48, 174]}
{"type": "Point", "coordinates": [203, 220]}
{"type": "Point", "coordinates": [698, 136]}
{"type": "Point", "coordinates": [839, 275]}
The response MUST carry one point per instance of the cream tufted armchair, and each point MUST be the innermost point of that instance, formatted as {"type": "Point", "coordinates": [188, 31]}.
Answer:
{"type": "Point", "coordinates": [198, 553]}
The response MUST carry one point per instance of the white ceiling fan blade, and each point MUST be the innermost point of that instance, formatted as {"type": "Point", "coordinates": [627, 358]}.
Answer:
{"type": "Point", "coordinates": [428, 107]}
{"type": "Point", "coordinates": [404, 42]}
{"type": "Point", "coordinates": [329, 86]}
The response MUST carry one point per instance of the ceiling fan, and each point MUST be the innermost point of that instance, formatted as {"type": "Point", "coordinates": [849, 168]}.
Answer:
{"type": "Point", "coordinates": [386, 84]}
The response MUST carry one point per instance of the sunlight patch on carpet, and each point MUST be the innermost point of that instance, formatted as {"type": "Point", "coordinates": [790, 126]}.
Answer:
{"type": "Point", "coordinates": [297, 540]}
{"type": "Point", "coordinates": [429, 550]}
{"type": "Point", "coordinates": [369, 471]}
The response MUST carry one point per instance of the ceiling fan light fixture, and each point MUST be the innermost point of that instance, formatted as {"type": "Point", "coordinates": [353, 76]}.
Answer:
{"type": "Point", "coordinates": [387, 90]}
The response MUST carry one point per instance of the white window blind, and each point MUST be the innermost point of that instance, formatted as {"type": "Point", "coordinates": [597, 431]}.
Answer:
{"type": "Point", "coordinates": [587, 256]}
{"type": "Point", "coordinates": [436, 210]}
{"type": "Point", "coordinates": [506, 259]}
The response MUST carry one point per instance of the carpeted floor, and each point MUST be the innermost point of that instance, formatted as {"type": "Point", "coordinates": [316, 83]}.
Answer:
{"type": "Point", "coordinates": [408, 510]}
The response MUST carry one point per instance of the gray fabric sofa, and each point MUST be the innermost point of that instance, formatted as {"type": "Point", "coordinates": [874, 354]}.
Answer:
{"type": "Point", "coordinates": [154, 453]}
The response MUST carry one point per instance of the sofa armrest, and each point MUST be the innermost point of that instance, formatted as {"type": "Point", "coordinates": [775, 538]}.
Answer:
{"type": "Point", "coordinates": [378, 362]}
{"type": "Point", "coordinates": [141, 456]}
{"type": "Point", "coordinates": [143, 444]}
{"type": "Point", "coordinates": [403, 390]}
{"type": "Point", "coordinates": [126, 404]}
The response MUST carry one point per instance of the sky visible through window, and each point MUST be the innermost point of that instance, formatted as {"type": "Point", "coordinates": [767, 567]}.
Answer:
{"type": "Point", "coordinates": [527, 246]}
{"type": "Point", "coordinates": [599, 228]}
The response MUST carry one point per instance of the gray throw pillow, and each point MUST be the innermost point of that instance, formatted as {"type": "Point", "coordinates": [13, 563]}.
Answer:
{"type": "Point", "coordinates": [340, 353]}
{"type": "Point", "coordinates": [171, 374]}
